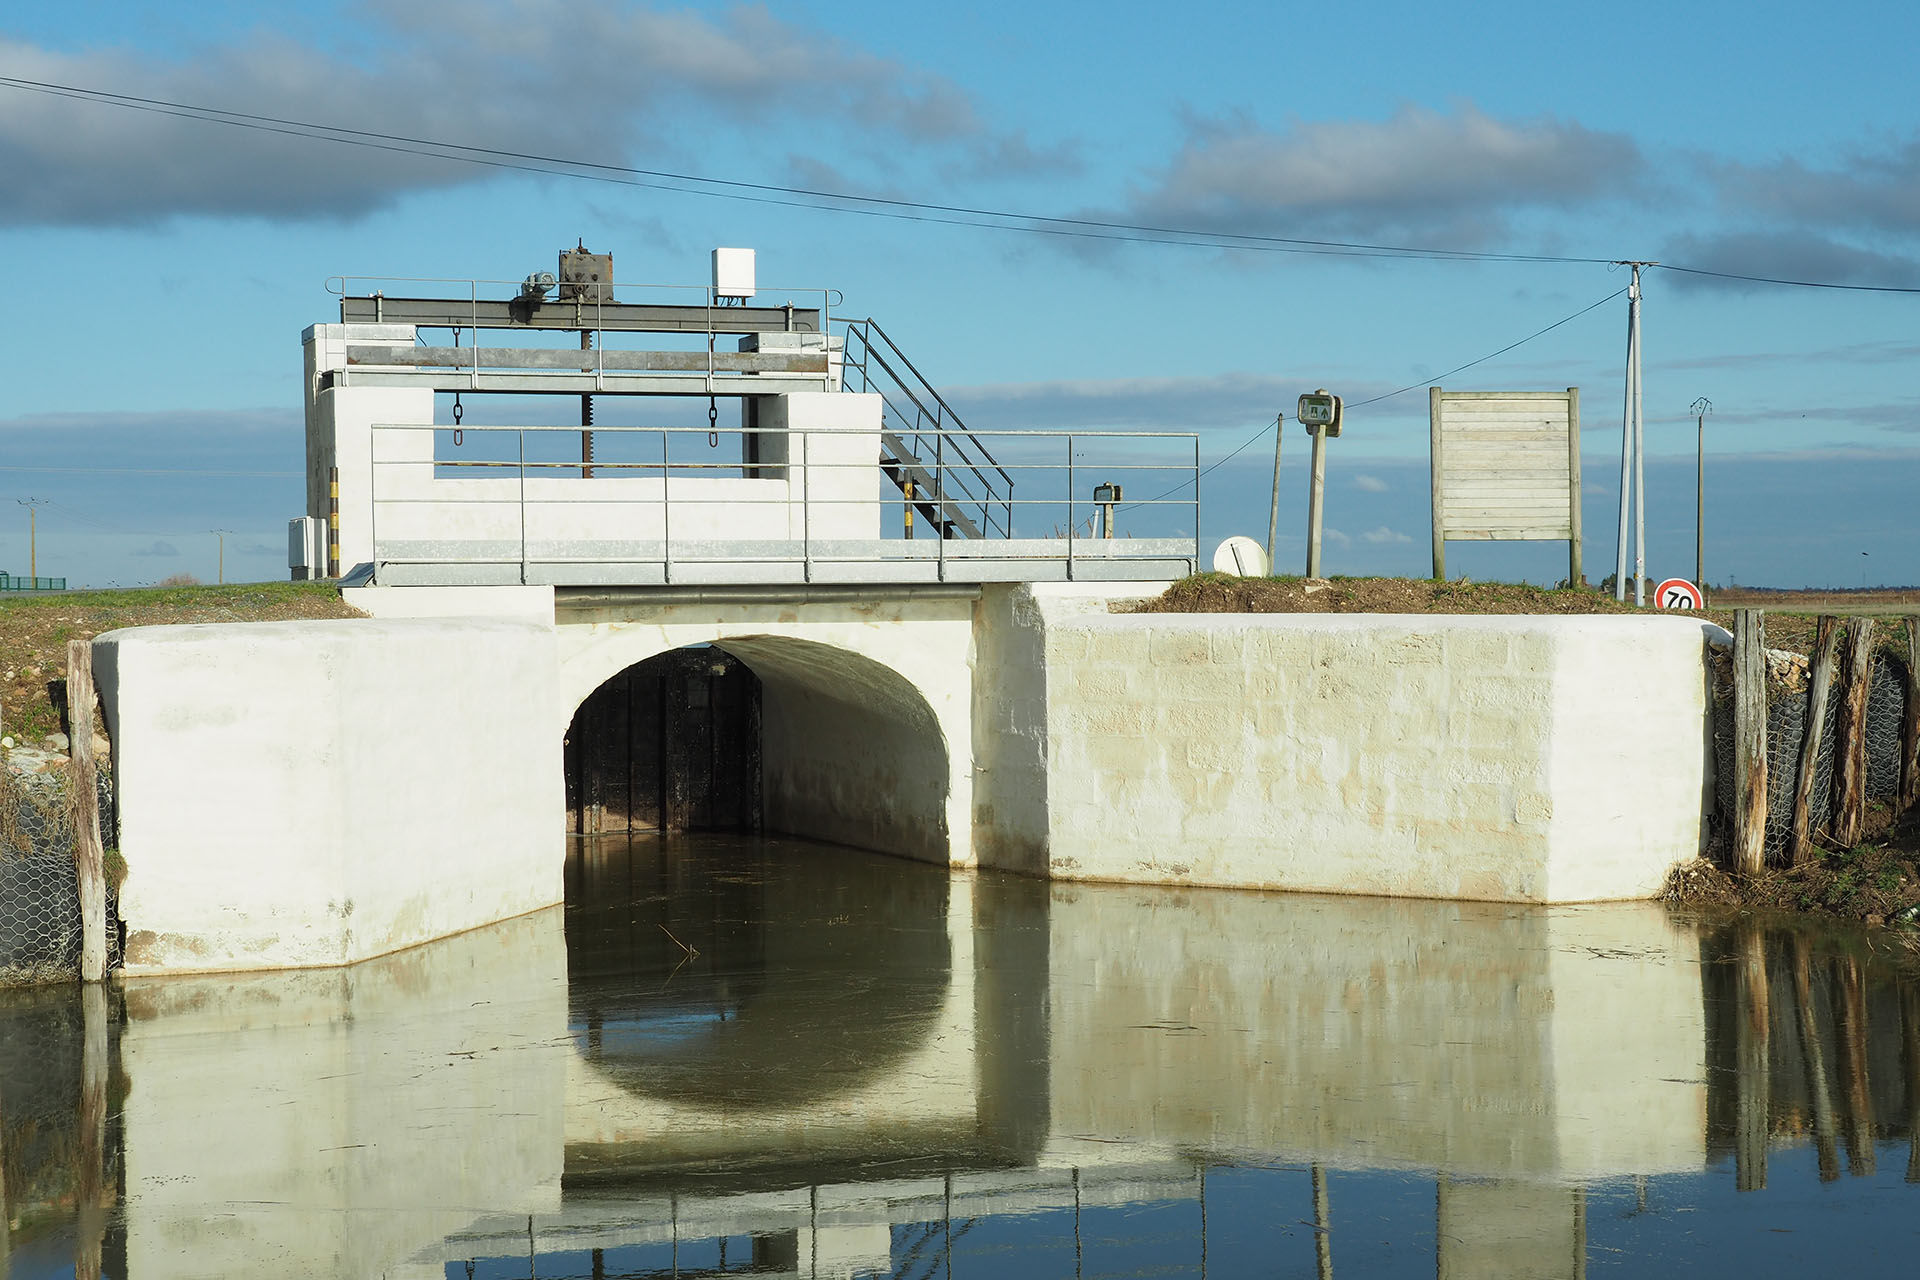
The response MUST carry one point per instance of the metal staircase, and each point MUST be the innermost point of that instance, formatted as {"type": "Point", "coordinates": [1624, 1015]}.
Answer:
{"type": "Point", "coordinates": [940, 467]}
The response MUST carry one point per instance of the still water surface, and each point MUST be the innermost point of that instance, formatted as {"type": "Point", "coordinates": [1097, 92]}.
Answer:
{"type": "Point", "coordinates": [780, 1058]}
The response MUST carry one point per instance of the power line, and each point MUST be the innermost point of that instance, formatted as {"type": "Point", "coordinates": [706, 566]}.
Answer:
{"type": "Point", "coordinates": [1414, 386]}
{"type": "Point", "coordinates": [157, 471]}
{"type": "Point", "coordinates": [1797, 284]}
{"type": "Point", "coordinates": [848, 202]}
{"type": "Point", "coordinates": [1261, 433]}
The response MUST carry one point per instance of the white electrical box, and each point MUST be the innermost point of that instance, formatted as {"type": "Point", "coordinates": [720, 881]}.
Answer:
{"type": "Point", "coordinates": [733, 273]}
{"type": "Point", "coordinates": [306, 548]}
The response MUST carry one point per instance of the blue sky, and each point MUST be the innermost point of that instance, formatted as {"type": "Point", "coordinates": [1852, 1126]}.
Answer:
{"type": "Point", "coordinates": [149, 371]}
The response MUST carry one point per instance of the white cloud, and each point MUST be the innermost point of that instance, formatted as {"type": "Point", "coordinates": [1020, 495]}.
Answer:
{"type": "Point", "coordinates": [590, 81]}
{"type": "Point", "coordinates": [1369, 484]}
{"type": "Point", "coordinates": [1383, 535]}
{"type": "Point", "coordinates": [1436, 175]}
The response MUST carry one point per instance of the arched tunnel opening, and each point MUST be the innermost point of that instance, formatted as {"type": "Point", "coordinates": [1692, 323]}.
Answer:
{"type": "Point", "coordinates": [762, 733]}
{"type": "Point", "coordinates": [670, 744]}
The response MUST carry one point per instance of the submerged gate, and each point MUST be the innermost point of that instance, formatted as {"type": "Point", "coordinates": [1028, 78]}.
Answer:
{"type": "Point", "coordinates": [669, 744]}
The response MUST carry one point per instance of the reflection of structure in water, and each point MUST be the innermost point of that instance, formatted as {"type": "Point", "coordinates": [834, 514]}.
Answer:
{"type": "Point", "coordinates": [60, 1132]}
{"type": "Point", "coordinates": [1808, 1043]}
{"type": "Point", "coordinates": [669, 744]}
{"type": "Point", "coordinates": [764, 1053]}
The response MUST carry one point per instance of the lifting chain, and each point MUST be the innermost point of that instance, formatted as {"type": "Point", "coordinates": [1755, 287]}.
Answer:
{"type": "Point", "coordinates": [459, 412]}
{"type": "Point", "coordinates": [713, 424]}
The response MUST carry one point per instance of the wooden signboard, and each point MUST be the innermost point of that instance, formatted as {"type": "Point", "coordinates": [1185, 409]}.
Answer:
{"type": "Point", "coordinates": [1506, 466]}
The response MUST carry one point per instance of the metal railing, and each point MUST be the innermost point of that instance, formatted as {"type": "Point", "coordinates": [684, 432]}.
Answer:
{"type": "Point", "coordinates": [916, 418]}
{"type": "Point", "coordinates": [665, 508]}
{"type": "Point", "coordinates": [693, 311]}
{"type": "Point", "coordinates": [9, 582]}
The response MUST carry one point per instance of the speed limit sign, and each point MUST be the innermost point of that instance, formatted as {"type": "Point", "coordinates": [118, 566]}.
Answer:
{"type": "Point", "coordinates": [1677, 593]}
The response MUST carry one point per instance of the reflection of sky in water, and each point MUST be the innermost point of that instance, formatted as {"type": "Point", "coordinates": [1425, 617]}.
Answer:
{"type": "Point", "coordinates": [776, 1058]}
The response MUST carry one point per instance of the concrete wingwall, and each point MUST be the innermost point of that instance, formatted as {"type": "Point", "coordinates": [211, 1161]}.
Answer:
{"type": "Point", "coordinates": [1521, 758]}
{"type": "Point", "coordinates": [316, 793]}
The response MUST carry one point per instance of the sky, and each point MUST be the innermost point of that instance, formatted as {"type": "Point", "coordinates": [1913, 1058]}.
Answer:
{"type": "Point", "coordinates": [164, 267]}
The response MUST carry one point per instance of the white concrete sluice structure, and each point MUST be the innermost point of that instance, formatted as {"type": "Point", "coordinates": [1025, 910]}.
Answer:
{"type": "Point", "coordinates": [914, 647]}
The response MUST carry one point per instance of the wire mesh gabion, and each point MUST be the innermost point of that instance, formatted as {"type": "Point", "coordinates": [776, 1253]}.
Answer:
{"type": "Point", "coordinates": [39, 887]}
{"type": "Point", "coordinates": [1788, 696]}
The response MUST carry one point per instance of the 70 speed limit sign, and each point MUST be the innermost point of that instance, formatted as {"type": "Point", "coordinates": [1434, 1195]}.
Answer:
{"type": "Point", "coordinates": [1678, 593]}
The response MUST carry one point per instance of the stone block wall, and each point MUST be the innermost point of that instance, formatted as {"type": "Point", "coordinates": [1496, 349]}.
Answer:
{"type": "Point", "coordinates": [1523, 759]}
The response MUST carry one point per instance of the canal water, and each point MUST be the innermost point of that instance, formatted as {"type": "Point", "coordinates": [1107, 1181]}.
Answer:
{"type": "Point", "coordinates": [771, 1057]}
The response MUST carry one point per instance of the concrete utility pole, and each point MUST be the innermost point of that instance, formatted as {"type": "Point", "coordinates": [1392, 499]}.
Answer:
{"type": "Point", "coordinates": [1314, 494]}
{"type": "Point", "coordinates": [33, 537]}
{"type": "Point", "coordinates": [222, 535]}
{"type": "Point", "coordinates": [1632, 456]}
{"type": "Point", "coordinates": [1700, 409]}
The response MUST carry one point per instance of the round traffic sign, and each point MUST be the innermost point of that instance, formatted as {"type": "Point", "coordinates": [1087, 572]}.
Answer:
{"type": "Point", "coordinates": [1678, 593]}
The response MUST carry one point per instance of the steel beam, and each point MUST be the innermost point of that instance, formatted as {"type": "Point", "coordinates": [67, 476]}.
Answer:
{"type": "Point", "coordinates": [383, 356]}
{"type": "Point", "coordinates": [623, 317]}
{"type": "Point", "coordinates": [612, 383]}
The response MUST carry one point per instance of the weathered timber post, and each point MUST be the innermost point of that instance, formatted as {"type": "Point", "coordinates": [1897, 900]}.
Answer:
{"type": "Point", "coordinates": [92, 1182]}
{"type": "Point", "coordinates": [1322, 1227]}
{"type": "Point", "coordinates": [1909, 794]}
{"type": "Point", "coordinates": [1753, 1030]}
{"type": "Point", "coordinates": [1749, 741]}
{"type": "Point", "coordinates": [1819, 681]}
{"type": "Point", "coordinates": [1850, 1013]}
{"type": "Point", "coordinates": [1910, 1033]}
{"type": "Point", "coordinates": [1850, 736]}
{"type": "Point", "coordinates": [89, 857]}
{"type": "Point", "coordinates": [6, 1214]}
{"type": "Point", "coordinates": [1813, 1051]}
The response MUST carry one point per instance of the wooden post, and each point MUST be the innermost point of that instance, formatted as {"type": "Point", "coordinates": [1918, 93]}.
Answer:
{"type": "Point", "coordinates": [91, 1191]}
{"type": "Point", "coordinates": [1813, 1050]}
{"type": "Point", "coordinates": [89, 858]}
{"type": "Point", "coordinates": [1322, 1227]}
{"type": "Point", "coordinates": [1819, 681]}
{"type": "Point", "coordinates": [1749, 741]}
{"type": "Point", "coordinates": [1575, 570]}
{"type": "Point", "coordinates": [1910, 725]}
{"type": "Point", "coordinates": [1850, 1015]}
{"type": "Point", "coordinates": [1755, 1088]}
{"type": "Point", "coordinates": [6, 1214]}
{"type": "Point", "coordinates": [1910, 1034]}
{"type": "Point", "coordinates": [1850, 736]}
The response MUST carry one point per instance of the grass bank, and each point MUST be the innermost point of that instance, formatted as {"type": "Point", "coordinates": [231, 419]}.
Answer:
{"type": "Point", "coordinates": [35, 629]}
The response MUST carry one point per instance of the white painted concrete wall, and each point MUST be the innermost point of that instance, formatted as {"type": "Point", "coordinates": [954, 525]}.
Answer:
{"type": "Point", "coordinates": [315, 793]}
{"type": "Point", "coordinates": [818, 475]}
{"type": "Point", "coordinates": [866, 706]}
{"type": "Point", "coordinates": [1471, 1038]}
{"type": "Point", "coordinates": [1532, 759]}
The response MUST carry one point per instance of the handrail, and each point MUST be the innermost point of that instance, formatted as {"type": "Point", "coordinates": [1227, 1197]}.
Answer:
{"type": "Point", "coordinates": [948, 430]}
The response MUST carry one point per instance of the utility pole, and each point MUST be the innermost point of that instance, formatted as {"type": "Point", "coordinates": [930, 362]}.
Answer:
{"type": "Point", "coordinates": [1273, 511]}
{"type": "Point", "coordinates": [222, 535]}
{"type": "Point", "coordinates": [1700, 409]}
{"type": "Point", "coordinates": [1632, 456]}
{"type": "Point", "coordinates": [33, 537]}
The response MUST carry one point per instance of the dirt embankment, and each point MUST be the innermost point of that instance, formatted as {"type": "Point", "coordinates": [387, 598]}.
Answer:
{"type": "Point", "coordinates": [1790, 622]}
{"type": "Point", "coordinates": [34, 630]}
